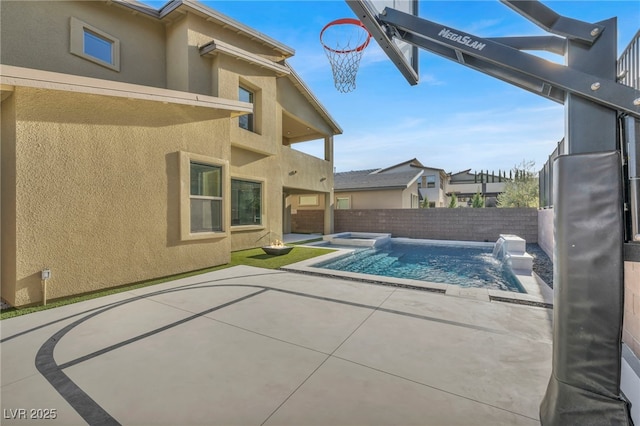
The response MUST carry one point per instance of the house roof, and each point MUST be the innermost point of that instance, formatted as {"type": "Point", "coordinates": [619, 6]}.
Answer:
{"type": "Point", "coordinates": [411, 163]}
{"type": "Point", "coordinates": [281, 68]}
{"type": "Point", "coordinates": [308, 94]}
{"type": "Point", "coordinates": [369, 180]}
{"type": "Point", "coordinates": [179, 5]}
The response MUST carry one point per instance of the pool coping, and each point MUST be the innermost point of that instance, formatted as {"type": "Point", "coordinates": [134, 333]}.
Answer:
{"type": "Point", "coordinates": [538, 292]}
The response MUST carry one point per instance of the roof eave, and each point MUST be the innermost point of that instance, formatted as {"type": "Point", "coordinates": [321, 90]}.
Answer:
{"type": "Point", "coordinates": [39, 79]}
{"type": "Point", "coordinates": [308, 94]}
{"type": "Point", "coordinates": [175, 6]}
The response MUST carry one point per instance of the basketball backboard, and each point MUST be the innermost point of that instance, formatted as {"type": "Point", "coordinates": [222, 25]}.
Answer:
{"type": "Point", "coordinates": [402, 54]}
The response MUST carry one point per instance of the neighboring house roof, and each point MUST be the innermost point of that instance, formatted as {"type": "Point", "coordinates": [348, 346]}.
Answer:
{"type": "Point", "coordinates": [369, 180]}
{"type": "Point", "coordinates": [409, 163]}
{"type": "Point", "coordinates": [197, 7]}
{"type": "Point", "coordinates": [461, 176]}
{"type": "Point", "coordinates": [436, 169]}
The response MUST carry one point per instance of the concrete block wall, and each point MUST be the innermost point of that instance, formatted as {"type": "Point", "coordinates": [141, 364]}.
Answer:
{"type": "Point", "coordinates": [307, 221]}
{"type": "Point", "coordinates": [442, 224]}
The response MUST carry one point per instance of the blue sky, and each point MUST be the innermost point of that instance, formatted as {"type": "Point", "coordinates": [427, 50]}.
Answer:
{"type": "Point", "coordinates": [455, 118]}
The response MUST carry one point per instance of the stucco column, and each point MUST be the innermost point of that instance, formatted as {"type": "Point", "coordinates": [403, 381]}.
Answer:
{"type": "Point", "coordinates": [328, 149]}
{"type": "Point", "coordinates": [328, 212]}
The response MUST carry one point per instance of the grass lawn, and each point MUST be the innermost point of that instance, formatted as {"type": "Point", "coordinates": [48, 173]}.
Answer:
{"type": "Point", "coordinates": [252, 257]}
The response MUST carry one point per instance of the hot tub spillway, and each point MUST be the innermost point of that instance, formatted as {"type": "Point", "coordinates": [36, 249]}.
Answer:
{"type": "Point", "coordinates": [358, 239]}
{"type": "Point", "coordinates": [512, 250]}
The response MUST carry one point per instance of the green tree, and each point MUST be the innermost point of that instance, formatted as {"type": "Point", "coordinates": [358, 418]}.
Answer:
{"type": "Point", "coordinates": [425, 203]}
{"type": "Point", "coordinates": [453, 202]}
{"type": "Point", "coordinates": [477, 201]}
{"type": "Point", "coordinates": [521, 191]}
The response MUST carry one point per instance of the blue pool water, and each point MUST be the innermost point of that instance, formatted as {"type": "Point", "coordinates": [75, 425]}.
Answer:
{"type": "Point", "coordinates": [460, 265]}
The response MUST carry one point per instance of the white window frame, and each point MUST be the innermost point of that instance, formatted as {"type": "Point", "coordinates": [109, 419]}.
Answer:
{"type": "Point", "coordinates": [343, 198]}
{"type": "Point", "coordinates": [186, 158]}
{"type": "Point", "coordinates": [76, 43]}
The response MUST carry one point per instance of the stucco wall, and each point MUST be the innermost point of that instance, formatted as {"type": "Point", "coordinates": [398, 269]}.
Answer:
{"type": "Point", "coordinates": [98, 190]}
{"type": "Point", "coordinates": [371, 199]}
{"type": "Point", "coordinates": [35, 34]}
{"type": "Point", "coordinates": [8, 197]}
{"type": "Point", "coordinates": [631, 327]}
{"type": "Point", "coordinates": [303, 171]}
{"type": "Point", "coordinates": [546, 239]}
{"type": "Point", "coordinates": [247, 165]}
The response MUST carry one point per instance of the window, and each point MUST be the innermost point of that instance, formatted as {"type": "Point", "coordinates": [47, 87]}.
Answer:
{"type": "Point", "coordinates": [246, 121]}
{"type": "Point", "coordinates": [343, 203]}
{"type": "Point", "coordinates": [204, 191]}
{"type": "Point", "coordinates": [308, 200]}
{"type": "Point", "coordinates": [94, 45]}
{"type": "Point", "coordinates": [246, 202]}
{"type": "Point", "coordinates": [205, 198]}
{"type": "Point", "coordinates": [98, 47]}
{"type": "Point", "coordinates": [431, 181]}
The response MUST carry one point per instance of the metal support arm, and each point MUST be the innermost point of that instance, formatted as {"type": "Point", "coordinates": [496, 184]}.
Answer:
{"type": "Point", "coordinates": [527, 71]}
{"type": "Point", "coordinates": [549, 20]}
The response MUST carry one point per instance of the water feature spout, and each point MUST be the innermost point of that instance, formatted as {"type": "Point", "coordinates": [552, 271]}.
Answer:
{"type": "Point", "coordinates": [512, 249]}
{"type": "Point", "coordinates": [497, 249]}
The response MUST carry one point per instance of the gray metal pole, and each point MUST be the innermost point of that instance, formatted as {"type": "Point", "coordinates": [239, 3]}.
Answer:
{"type": "Point", "coordinates": [591, 127]}
{"type": "Point", "coordinates": [587, 194]}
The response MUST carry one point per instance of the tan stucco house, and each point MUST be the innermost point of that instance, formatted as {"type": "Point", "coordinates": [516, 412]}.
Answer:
{"type": "Point", "coordinates": [140, 143]}
{"type": "Point", "coordinates": [406, 185]}
{"type": "Point", "coordinates": [394, 187]}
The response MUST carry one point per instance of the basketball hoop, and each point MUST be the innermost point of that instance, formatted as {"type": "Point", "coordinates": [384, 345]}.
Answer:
{"type": "Point", "coordinates": [344, 42]}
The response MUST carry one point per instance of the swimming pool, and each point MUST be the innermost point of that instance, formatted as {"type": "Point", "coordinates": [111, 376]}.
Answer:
{"type": "Point", "coordinates": [465, 266]}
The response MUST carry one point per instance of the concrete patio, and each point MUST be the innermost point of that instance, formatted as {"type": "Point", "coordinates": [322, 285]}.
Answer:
{"type": "Point", "coordinates": [250, 346]}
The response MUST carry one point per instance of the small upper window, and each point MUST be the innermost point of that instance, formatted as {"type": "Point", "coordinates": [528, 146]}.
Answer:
{"type": "Point", "coordinates": [98, 47]}
{"type": "Point", "coordinates": [431, 181]}
{"type": "Point", "coordinates": [246, 121]}
{"type": "Point", "coordinates": [94, 45]}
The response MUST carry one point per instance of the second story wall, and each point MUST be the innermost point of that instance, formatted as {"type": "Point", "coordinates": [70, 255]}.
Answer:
{"type": "Point", "coordinates": [38, 34]}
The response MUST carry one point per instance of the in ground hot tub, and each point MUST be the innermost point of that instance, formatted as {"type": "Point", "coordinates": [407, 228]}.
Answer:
{"type": "Point", "coordinates": [359, 239]}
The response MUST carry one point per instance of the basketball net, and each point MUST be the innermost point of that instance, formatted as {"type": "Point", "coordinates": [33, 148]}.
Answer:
{"type": "Point", "coordinates": [344, 41]}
